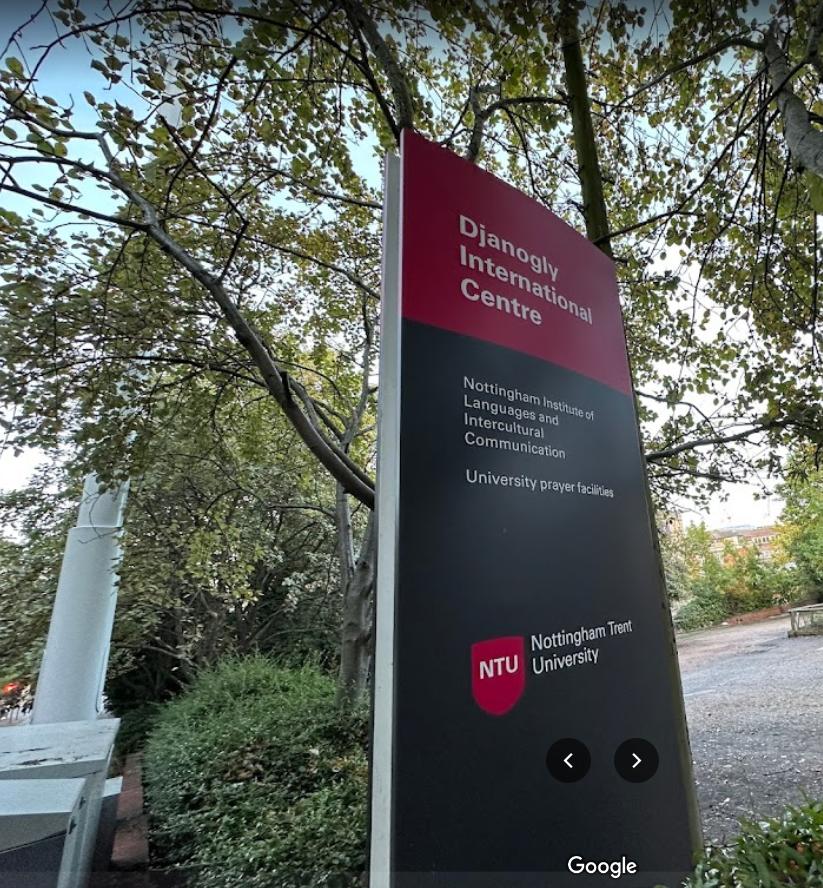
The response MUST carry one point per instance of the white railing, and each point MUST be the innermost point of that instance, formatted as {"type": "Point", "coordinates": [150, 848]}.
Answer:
{"type": "Point", "coordinates": [15, 707]}
{"type": "Point", "coordinates": [67, 751]}
{"type": "Point", "coordinates": [806, 620]}
{"type": "Point", "coordinates": [17, 715]}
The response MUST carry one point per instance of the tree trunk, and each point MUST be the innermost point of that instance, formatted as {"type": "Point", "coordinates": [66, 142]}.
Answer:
{"type": "Point", "coordinates": [597, 231]}
{"type": "Point", "coordinates": [357, 586]}
{"type": "Point", "coordinates": [588, 165]}
{"type": "Point", "coordinates": [803, 140]}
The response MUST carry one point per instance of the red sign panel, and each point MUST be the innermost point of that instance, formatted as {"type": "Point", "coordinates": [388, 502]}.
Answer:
{"type": "Point", "coordinates": [496, 266]}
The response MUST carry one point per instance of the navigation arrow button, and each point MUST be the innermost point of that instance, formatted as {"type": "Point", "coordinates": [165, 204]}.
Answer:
{"type": "Point", "coordinates": [568, 760]}
{"type": "Point", "coordinates": [636, 760]}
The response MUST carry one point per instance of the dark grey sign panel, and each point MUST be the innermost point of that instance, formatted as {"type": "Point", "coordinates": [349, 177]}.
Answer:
{"type": "Point", "coordinates": [528, 718]}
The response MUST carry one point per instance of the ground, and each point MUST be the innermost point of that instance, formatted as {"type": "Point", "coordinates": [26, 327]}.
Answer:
{"type": "Point", "coordinates": [754, 703]}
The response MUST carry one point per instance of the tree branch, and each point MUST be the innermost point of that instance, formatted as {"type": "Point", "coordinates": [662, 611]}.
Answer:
{"type": "Point", "coordinates": [591, 179]}
{"type": "Point", "coordinates": [330, 266]}
{"type": "Point", "coordinates": [813, 42]}
{"type": "Point", "coordinates": [717, 439]}
{"type": "Point", "coordinates": [352, 481]}
{"type": "Point", "coordinates": [70, 208]}
{"type": "Point", "coordinates": [330, 195]}
{"type": "Point", "coordinates": [803, 140]}
{"type": "Point", "coordinates": [727, 43]}
{"type": "Point", "coordinates": [363, 23]}
{"type": "Point", "coordinates": [481, 115]}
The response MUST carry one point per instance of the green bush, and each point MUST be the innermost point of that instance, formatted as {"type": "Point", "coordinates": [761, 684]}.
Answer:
{"type": "Point", "coordinates": [702, 610]}
{"type": "Point", "coordinates": [255, 777]}
{"type": "Point", "coordinates": [784, 850]}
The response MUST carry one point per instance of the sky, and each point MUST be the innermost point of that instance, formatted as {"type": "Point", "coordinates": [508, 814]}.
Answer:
{"type": "Point", "coordinates": [740, 509]}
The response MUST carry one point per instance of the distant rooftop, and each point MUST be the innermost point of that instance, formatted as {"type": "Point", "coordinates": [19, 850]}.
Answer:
{"type": "Point", "coordinates": [743, 530]}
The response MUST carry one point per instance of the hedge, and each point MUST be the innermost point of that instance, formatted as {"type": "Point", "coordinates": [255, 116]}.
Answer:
{"type": "Point", "coordinates": [256, 777]}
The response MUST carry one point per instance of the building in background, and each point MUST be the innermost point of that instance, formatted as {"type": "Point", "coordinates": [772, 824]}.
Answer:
{"type": "Point", "coordinates": [764, 539]}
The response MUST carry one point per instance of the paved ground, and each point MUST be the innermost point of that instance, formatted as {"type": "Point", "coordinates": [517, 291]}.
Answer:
{"type": "Point", "coordinates": [754, 703]}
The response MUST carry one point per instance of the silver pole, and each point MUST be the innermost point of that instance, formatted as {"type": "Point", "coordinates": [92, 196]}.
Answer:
{"type": "Point", "coordinates": [388, 487]}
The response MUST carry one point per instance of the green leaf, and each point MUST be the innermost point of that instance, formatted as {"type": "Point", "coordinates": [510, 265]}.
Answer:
{"type": "Point", "coordinates": [15, 66]}
{"type": "Point", "coordinates": [815, 184]}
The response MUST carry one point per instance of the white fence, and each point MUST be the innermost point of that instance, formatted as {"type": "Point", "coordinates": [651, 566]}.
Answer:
{"type": "Point", "coordinates": [806, 620]}
{"type": "Point", "coordinates": [74, 754]}
{"type": "Point", "coordinates": [15, 707]}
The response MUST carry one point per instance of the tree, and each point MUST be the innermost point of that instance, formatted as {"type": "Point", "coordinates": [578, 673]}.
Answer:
{"type": "Point", "coordinates": [701, 598]}
{"type": "Point", "coordinates": [35, 523]}
{"type": "Point", "coordinates": [226, 553]}
{"type": "Point", "coordinates": [802, 521]}
{"type": "Point", "coordinates": [714, 585]}
{"type": "Point", "coordinates": [744, 580]}
{"type": "Point", "coordinates": [243, 237]}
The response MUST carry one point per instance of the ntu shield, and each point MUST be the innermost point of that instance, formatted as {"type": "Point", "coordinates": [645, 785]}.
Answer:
{"type": "Point", "coordinates": [498, 673]}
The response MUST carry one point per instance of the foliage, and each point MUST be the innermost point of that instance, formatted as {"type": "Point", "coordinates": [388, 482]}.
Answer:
{"type": "Point", "coordinates": [35, 521]}
{"type": "Point", "coordinates": [750, 583]}
{"type": "Point", "coordinates": [696, 597]}
{"type": "Point", "coordinates": [779, 851]}
{"type": "Point", "coordinates": [256, 777]}
{"type": "Point", "coordinates": [224, 553]}
{"type": "Point", "coordinates": [136, 724]}
{"type": "Point", "coordinates": [253, 136]}
{"type": "Point", "coordinates": [700, 611]}
{"type": "Point", "coordinates": [713, 587]}
{"type": "Point", "coordinates": [204, 202]}
{"type": "Point", "coordinates": [803, 521]}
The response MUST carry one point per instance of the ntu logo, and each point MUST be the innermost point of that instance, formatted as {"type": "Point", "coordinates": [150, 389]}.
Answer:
{"type": "Point", "coordinates": [498, 673]}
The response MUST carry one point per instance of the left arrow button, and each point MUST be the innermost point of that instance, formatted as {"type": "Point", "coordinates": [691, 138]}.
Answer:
{"type": "Point", "coordinates": [568, 760]}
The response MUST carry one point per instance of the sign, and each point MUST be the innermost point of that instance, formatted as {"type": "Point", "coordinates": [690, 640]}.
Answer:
{"type": "Point", "coordinates": [524, 654]}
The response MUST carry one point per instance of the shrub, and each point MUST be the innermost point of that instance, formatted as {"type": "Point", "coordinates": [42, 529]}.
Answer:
{"type": "Point", "coordinates": [702, 610]}
{"type": "Point", "coordinates": [256, 777]}
{"type": "Point", "coordinates": [784, 850]}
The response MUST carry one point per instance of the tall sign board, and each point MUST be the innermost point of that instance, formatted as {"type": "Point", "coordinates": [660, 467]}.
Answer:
{"type": "Point", "coordinates": [529, 726]}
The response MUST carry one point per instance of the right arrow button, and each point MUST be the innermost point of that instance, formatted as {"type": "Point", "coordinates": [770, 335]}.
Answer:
{"type": "Point", "coordinates": [636, 760]}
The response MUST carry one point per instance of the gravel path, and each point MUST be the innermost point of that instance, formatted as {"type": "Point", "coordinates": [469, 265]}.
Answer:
{"type": "Point", "coordinates": [754, 703]}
